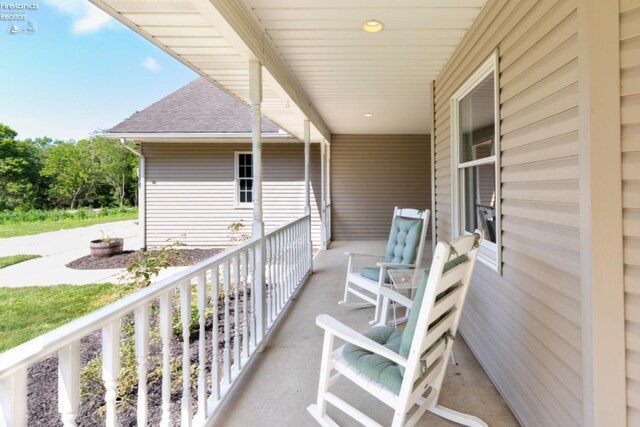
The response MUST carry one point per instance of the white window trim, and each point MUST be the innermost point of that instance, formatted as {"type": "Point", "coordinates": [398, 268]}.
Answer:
{"type": "Point", "coordinates": [236, 182]}
{"type": "Point", "coordinates": [490, 253]}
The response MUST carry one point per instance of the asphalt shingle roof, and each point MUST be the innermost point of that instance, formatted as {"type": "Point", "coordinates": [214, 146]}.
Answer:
{"type": "Point", "coordinates": [198, 107]}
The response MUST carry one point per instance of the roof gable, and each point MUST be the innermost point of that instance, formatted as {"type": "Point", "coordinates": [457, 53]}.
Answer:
{"type": "Point", "coordinates": [198, 107]}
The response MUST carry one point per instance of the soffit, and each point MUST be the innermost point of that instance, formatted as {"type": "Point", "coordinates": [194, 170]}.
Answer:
{"type": "Point", "coordinates": [347, 72]}
{"type": "Point", "coordinates": [318, 62]}
{"type": "Point", "coordinates": [185, 31]}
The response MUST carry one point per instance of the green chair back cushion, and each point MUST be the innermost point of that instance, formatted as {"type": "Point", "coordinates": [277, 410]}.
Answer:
{"type": "Point", "coordinates": [404, 240]}
{"type": "Point", "coordinates": [381, 370]}
{"type": "Point", "coordinates": [402, 246]}
{"type": "Point", "coordinates": [410, 328]}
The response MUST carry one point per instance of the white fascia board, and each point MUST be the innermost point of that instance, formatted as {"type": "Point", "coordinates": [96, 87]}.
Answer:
{"type": "Point", "coordinates": [196, 137]}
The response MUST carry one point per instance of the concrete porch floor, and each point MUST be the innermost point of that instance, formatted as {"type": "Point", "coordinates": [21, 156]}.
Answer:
{"type": "Point", "coordinates": [282, 380]}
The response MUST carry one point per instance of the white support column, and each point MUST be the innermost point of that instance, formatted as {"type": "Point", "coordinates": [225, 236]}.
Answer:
{"type": "Point", "coordinates": [307, 160]}
{"type": "Point", "coordinates": [601, 243]}
{"type": "Point", "coordinates": [323, 202]}
{"type": "Point", "coordinates": [255, 92]}
{"type": "Point", "coordinates": [307, 183]}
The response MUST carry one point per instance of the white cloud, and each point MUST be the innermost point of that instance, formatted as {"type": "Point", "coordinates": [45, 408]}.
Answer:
{"type": "Point", "coordinates": [87, 18]}
{"type": "Point", "coordinates": [151, 64]}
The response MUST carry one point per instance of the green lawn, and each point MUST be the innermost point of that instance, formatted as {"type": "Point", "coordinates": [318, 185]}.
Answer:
{"type": "Point", "coordinates": [27, 228]}
{"type": "Point", "coordinates": [28, 312]}
{"type": "Point", "coordinates": [6, 261]}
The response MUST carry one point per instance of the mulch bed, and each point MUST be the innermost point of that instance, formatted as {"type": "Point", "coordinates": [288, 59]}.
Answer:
{"type": "Point", "coordinates": [184, 257]}
{"type": "Point", "coordinates": [42, 380]}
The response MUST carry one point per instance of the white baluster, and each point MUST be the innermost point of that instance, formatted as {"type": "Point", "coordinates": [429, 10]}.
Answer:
{"type": "Point", "coordinates": [274, 280]}
{"type": "Point", "coordinates": [215, 293]}
{"type": "Point", "coordinates": [302, 260]}
{"type": "Point", "coordinates": [142, 352]}
{"type": "Point", "coordinates": [226, 279]}
{"type": "Point", "coordinates": [281, 284]}
{"type": "Point", "coordinates": [268, 289]}
{"type": "Point", "coordinates": [307, 229]}
{"type": "Point", "coordinates": [69, 383]}
{"type": "Point", "coordinates": [298, 254]}
{"type": "Point", "coordinates": [285, 265]}
{"type": "Point", "coordinates": [185, 315]}
{"type": "Point", "coordinates": [13, 399]}
{"type": "Point", "coordinates": [245, 302]}
{"type": "Point", "coordinates": [237, 363]}
{"type": "Point", "coordinates": [305, 247]}
{"type": "Point", "coordinates": [289, 261]}
{"type": "Point", "coordinates": [281, 290]}
{"type": "Point", "coordinates": [111, 368]}
{"type": "Point", "coordinates": [252, 267]}
{"type": "Point", "coordinates": [166, 305]}
{"type": "Point", "coordinates": [202, 348]}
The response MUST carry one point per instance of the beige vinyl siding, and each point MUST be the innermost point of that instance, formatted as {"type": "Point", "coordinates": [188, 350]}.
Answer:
{"type": "Point", "coordinates": [525, 325]}
{"type": "Point", "coordinates": [370, 174]}
{"type": "Point", "coordinates": [190, 190]}
{"type": "Point", "coordinates": [630, 114]}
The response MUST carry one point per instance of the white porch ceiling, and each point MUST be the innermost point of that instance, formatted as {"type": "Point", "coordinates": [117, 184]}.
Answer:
{"type": "Point", "coordinates": [319, 63]}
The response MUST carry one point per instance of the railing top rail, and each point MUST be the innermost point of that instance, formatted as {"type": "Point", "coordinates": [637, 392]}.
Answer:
{"type": "Point", "coordinates": [283, 226]}
{"type": "Point", "coordinates": [34, 350]}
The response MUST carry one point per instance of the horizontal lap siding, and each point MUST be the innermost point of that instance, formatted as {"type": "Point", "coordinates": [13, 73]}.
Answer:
{"type": "Point", "coordinates": [190, 191]}
{"type": "Point", "coordinates": [630, 113]}
{"type": "Point", "coordinates": [524, 325]}
{"type": "Point", "coordinates": [370, 174]}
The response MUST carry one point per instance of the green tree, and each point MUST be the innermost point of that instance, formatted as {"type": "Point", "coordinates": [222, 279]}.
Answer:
{"type": "Point", "coordinates": [72, 169]}
{"type": "Point", "coordinates": [114, 163]}
{"type": "Point", "coordinates": [20, 163]}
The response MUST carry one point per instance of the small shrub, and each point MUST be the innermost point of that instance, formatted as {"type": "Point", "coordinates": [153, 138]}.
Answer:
{"type": "Point", "coordinates": [235, 233]}
{"type": "Point", "coordinates": [148, 264]}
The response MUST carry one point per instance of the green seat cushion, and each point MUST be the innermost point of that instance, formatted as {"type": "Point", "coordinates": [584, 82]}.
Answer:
{"type": "Point", "coordinates": [373, 273]}
{"type": "Point", "coordinates": [381, 370]}
{"type": "Point", "coordinates": [410, 328]}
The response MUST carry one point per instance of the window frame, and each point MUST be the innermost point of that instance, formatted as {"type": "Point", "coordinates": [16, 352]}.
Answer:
{"type": "Point", "coordinates": [490, 253]}
{"type": "Point", "coordinates": [236, 168]}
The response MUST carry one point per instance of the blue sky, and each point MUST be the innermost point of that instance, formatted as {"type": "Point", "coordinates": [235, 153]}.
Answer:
{"type": "Point", "coordinates": [79, 72]}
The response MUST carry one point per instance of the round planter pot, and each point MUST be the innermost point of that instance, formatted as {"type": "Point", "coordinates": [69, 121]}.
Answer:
{"type": "Point", "coordinates": [100, 249]}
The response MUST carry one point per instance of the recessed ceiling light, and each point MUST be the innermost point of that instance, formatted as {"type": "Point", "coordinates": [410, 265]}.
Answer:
{"type": "Point", "coordinates": [368, 115]}
{"type": "Point", "coordinates": [372, 26]}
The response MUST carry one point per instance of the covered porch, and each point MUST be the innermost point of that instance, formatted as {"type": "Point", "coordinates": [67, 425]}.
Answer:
{"type": "Point", "coordinates": [552, 311]}
{"type": "Point", "coordinates": [230, 352]}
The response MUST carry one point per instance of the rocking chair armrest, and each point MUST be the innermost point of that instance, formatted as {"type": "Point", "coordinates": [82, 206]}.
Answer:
{"type": "Point", "coordinates": [347, 334]}
{"type": "Point", "coordinates": [387, 265]}
{"type": "Point", "coordinates": [397, 297]}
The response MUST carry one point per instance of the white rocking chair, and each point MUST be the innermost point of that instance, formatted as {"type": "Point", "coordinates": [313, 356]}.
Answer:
{"type": "Point", "coordinates": [404, 250]}
{"type": "Point", "coordinates": [404, 370]}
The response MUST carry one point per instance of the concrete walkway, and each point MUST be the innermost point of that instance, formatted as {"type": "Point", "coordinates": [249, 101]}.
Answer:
{"type": "Point", "coordinates": [61, 247]}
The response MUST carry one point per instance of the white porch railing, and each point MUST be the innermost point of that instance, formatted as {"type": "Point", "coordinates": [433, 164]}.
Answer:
{"type": "Point", "coordinates": [241, 313]}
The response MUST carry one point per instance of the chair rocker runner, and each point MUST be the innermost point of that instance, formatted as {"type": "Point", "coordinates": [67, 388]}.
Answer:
{"type": "Point", "coordinates": [404, 370]}
{"type": "Point", "coordinates": [404, 250]}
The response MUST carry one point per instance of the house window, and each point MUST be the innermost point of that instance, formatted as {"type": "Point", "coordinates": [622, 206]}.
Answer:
{"type": "Point", "coordinates": [476, 160]}
{"type": "Point", "coordinates": [244, 179]}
